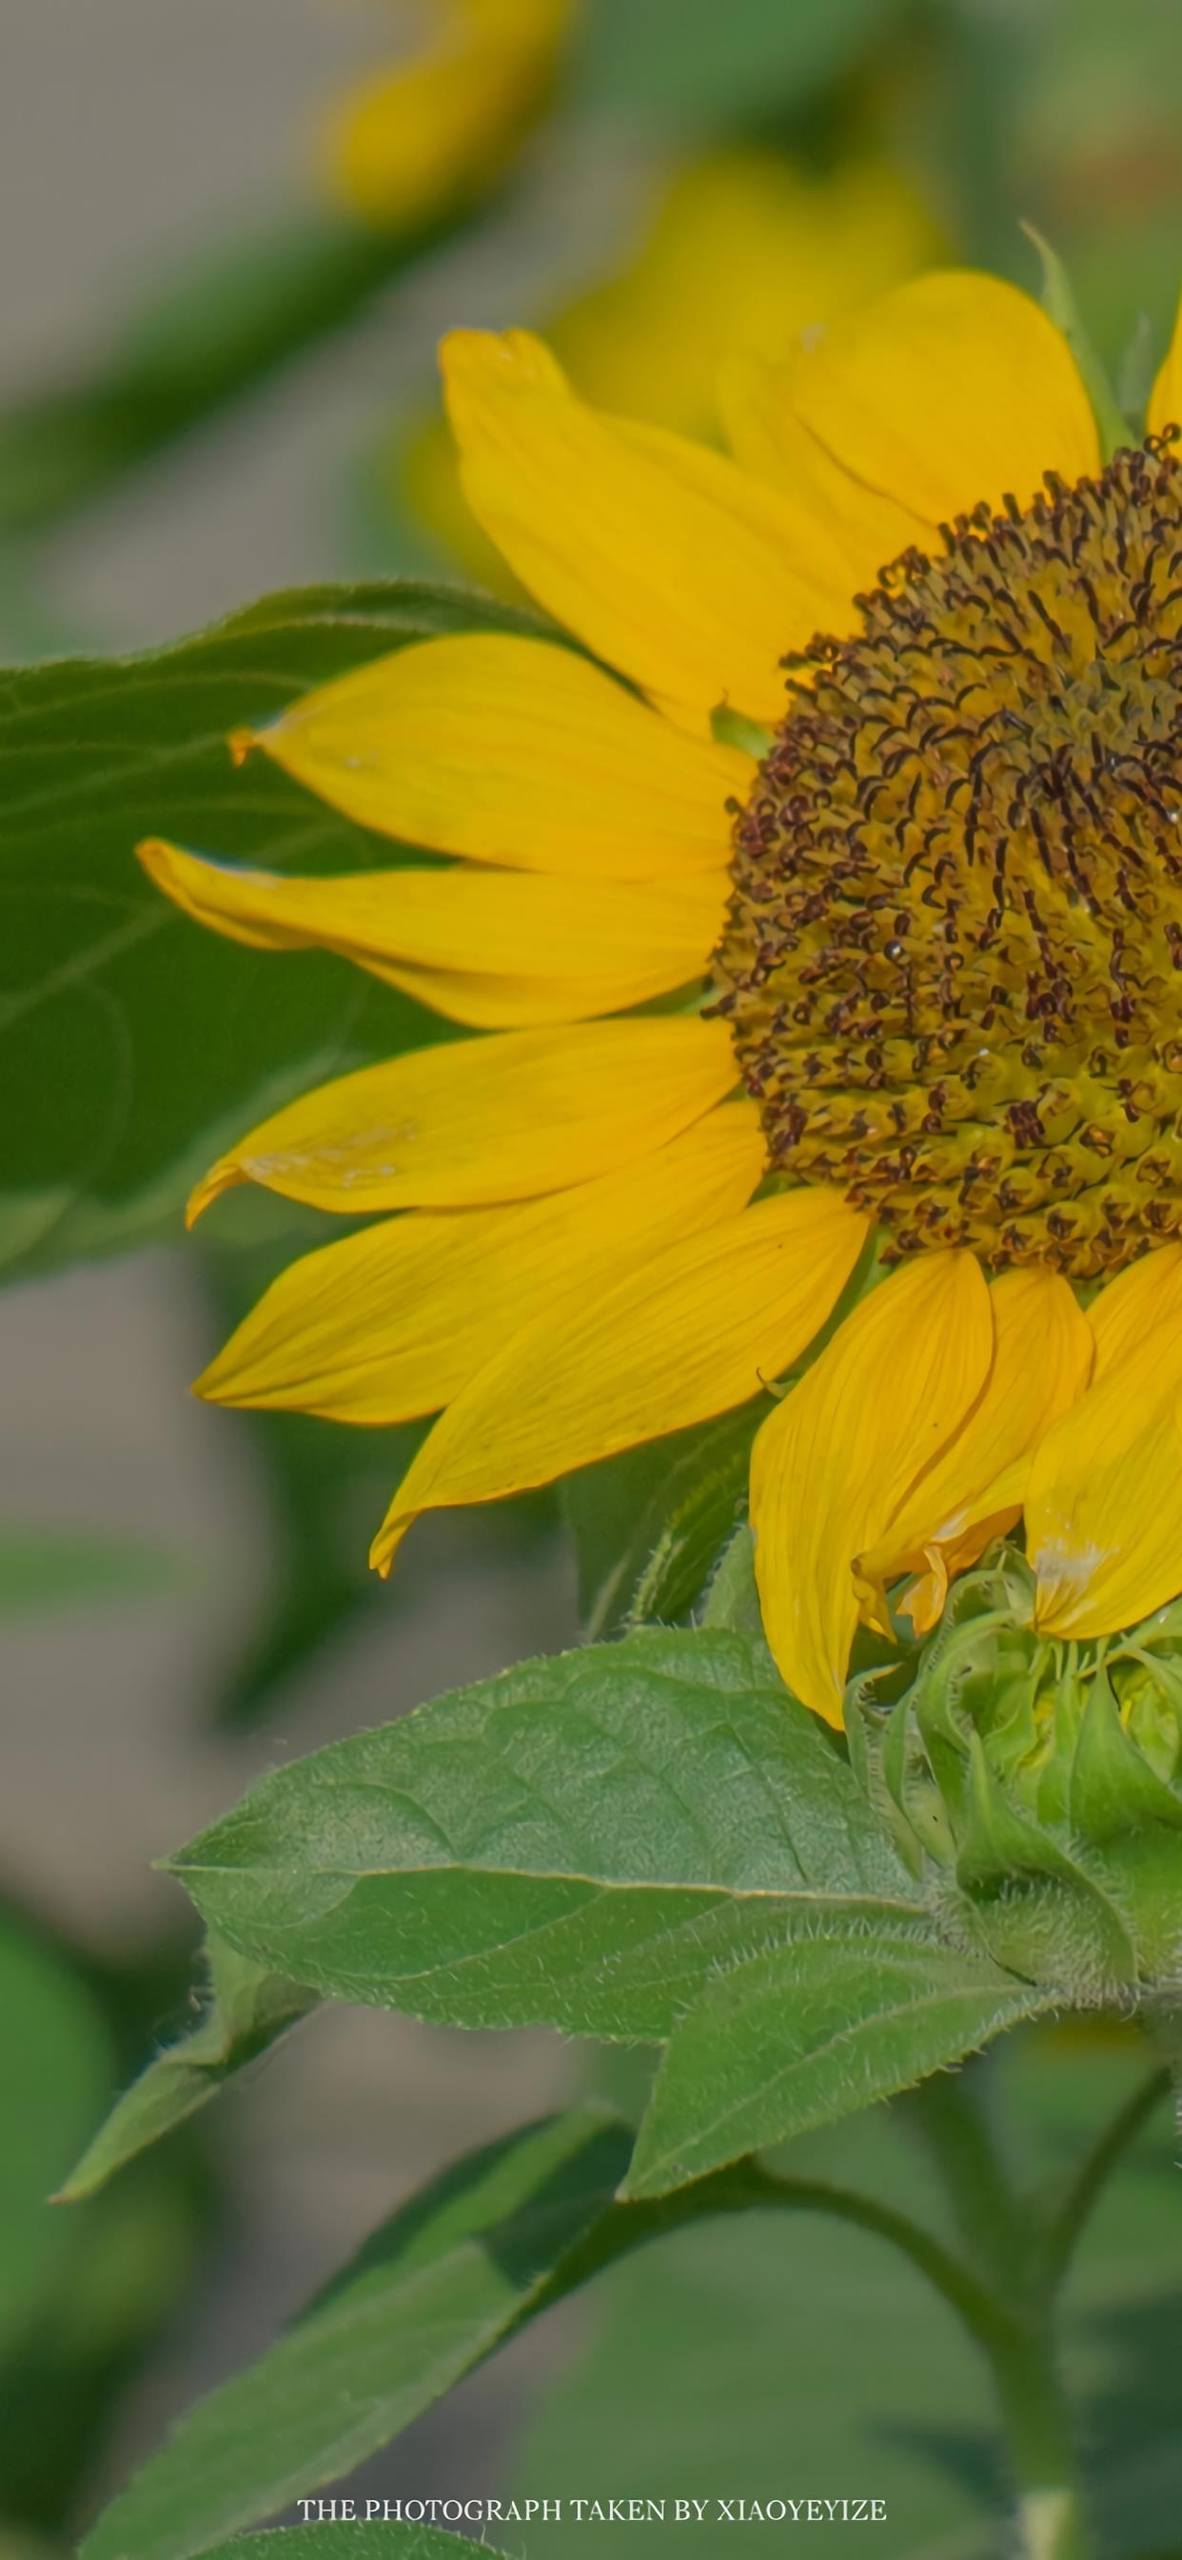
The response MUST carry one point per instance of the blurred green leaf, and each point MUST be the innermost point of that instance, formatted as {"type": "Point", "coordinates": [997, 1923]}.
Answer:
{"type": "Point", "coordinates": [800, 2036]}
{"type": "Point", "coordinates": [57, 2068]}
{"type": "Point", "coordinates": [224, 323]}
{"type": "Point", "coordinates": [650, 1526]}
{"type": "Point", "coordinates": [132, 1042]}
{"type": "Point", "coordinates": [579, 1842]}
{"type": "Point", "coordinates": [70, 1568]}
{"type": "Point", "coordinates": [769, 2356]}
{"type": "Point", "coordinates": [344, 2540]}
{"type": "Point", "coordinates": [429, 2296]}
{"type": "Point", "coordinates": [246, 2013]}
{"type": "Point", "coordinates": [694, 61]}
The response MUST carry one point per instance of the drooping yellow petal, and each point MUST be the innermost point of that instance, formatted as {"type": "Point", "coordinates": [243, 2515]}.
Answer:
{"type": "Point", "coordinates": [1104, 1496]}
{"type": "Point", "coordinates": [476, 1121]}
{"type": "Point", "coordinates": [1165, 399]}
{"type": "Point", "coordinates": [514, 752]}
{"type": "Point", "coordinates": [837, 1459]}
{"type": "Point", "coordinates": [426, 136]}
{"type": "Point", "coordinates": [491, 948]}
{"type": "Point", "coordinates": [661, 555]}
{"type": "Point", "coordinates": [1042, 1361]}
{"type": "Point", "coordinates": [394, 1321]}
{"type": "Point", "coordinates": [952, 388]}
{"type": "Point", "coordinates": [699, 1328]}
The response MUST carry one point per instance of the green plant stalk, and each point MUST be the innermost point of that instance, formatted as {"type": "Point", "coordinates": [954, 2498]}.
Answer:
{"type": "Point", "coordinates": [1030, 2253]}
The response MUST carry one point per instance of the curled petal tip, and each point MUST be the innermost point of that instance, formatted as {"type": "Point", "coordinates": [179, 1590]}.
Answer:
{"type": "Point", "coordinates": [242, 743]}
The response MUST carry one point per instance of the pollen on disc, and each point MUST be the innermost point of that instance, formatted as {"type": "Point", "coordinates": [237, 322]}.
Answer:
{"type": "Point", "coordinates": [952, 964]}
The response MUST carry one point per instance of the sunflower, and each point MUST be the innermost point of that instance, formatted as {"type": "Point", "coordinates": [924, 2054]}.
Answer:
{"type": "Point", "coordinates": [900, 1150]}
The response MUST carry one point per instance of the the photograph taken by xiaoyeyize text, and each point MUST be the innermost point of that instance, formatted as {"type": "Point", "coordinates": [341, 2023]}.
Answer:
{"type": "Point", "coordinates": [591, 1239]}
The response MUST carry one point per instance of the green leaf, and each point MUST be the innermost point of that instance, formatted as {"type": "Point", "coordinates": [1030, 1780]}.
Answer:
{"type": "Point", "coordinates": [132, 1043]}
{"type": "Point", "coordinates": [1060, 303]}
{"type": "Point", "coordinates": [71, 1568]}
{"type": "Point", "coordinates": [649, 1526]}
{"type": "Point", "coordinates": [248, 2011]}
{"type": "Point", "coordinates": [802, 2035]}
{"type": "Point", "coordinates": [578, 1842]}
{"type": "Point", "coordinates": [344, 2539]}
{"type": "Point", "coordinates": [689, 60]}
{"type": "Point", "coordinates": [57, 2067]}
{"type": "Point", "coordinates": [734, 2351]}
{"type": "Point", "coordinates": [428, 2297]}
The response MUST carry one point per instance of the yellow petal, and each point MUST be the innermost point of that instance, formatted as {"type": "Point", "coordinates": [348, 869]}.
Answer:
{"type": "Point", "coordinates": [493, 948]}
{"type": "Point", "coordinates": [394, 1321]}
{"type": "Point", "coordinates": [699, 1328]}
{"type": "Point", "coordinates": [425, 137]}
{"type": "Point", "coordinates": [774, 445]}
{"type": "Point", "coordinates": [756, 248]}
{"type": "Point", "coordinates": [1165, 399]}
{"type": "Point", "coordinates": [839, 1456]}
{"type": "Point", "coordinates": [1104, 1497]}
{"type": "Point", "coordinates": [952, 388]}
{"type": "Point", "coordinates": [662, 556]}
{"type": "Point", "coordinates": [1125, 1315]}
{"type": "Point", "coordinates": [1042, 1361]}
{"type": "Point", "coordinates": [514, 752]}
{"type": "Point", "coordinates": [504, 1118]}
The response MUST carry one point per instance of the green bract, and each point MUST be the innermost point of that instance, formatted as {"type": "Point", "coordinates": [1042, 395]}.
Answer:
{"type": "Point", "coordinates": [1035, 1786]}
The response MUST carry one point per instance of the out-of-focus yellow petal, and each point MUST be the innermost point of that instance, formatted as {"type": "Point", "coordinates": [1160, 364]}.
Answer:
{"type": "Point", "coordinates": [1104, 1496]}
{"type": "Point", "coordinates": [490, 948]}
{"type": "Point", "coordinates": [513, 752]}
{"type": "Point", "coordinates": [699, 1328]}
{"type": "Point", "coordinates": [1165, 399]}
{"type": "Point", "coordinates": [1042, 1362]}
{"type": "Point", "coordinates": [394, 1321]}
{"type": "Point", "coordinates": [743, 250]}
{"type": "Point", "coordinates": [660, 555]}
{"type": "Point", "coordinates": [476, 1121]}
{"type": "Point", "coordinates": [432, 132]}
{"type": "Point", "coordinates": [835, 1462]}
{"type": "Point", "coordinates": [952, 388]}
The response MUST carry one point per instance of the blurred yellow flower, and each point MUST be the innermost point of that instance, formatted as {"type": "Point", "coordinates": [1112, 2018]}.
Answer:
{"type": "Point", "coordinates": [415, 140]}
{"type": "Point", "coordinates": [922, 899]}
{"type": "Point", "coordinates": [742, 251]}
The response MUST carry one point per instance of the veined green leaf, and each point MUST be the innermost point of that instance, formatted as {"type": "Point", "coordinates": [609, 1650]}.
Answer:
{"type": "Point", "coordinates": [803, 2035]}
{"type": "Point", "coordinates": [132, 1043]}
{"type": "Point", "coordinates": [430, 2295]}
{"type": "Point", "coordinates": [579, 1842]}
{"type": "Point", "coordinates": [248, 2011]}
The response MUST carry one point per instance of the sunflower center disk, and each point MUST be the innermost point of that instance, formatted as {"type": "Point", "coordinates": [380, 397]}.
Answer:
{"type": "Point", "coordinates": [953, 957]}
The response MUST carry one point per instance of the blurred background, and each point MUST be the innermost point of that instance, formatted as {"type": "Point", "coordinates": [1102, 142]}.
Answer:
{"type": "Point", "coordinates": [233, 233]}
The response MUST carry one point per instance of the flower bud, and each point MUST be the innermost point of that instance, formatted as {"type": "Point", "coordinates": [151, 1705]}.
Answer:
{"type": "Point", "coordinates": [1039, 1785]}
